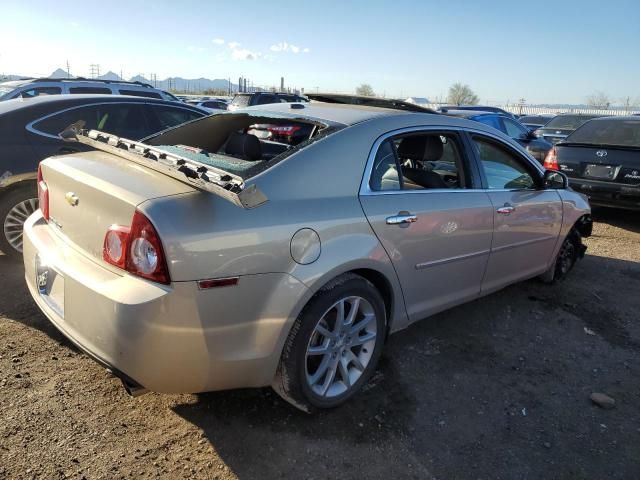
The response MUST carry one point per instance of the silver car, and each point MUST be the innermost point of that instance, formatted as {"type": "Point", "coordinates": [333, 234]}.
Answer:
{"type": "Point", "coordinates": [206, 258]}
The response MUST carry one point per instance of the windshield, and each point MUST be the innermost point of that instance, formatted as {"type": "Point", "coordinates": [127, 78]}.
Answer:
{"type": "Point", "coordinates": [241, 100]}
{"type": "Point", "coordinates": [569, 122]}
{"type": "Point", "coordinates": [624, 133]}
{"type": "Point", "coordinates": [5, 90]}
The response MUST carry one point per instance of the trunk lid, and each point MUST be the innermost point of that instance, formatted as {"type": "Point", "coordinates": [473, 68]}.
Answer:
{"type": "Point", "coordinates": [89, 192]}
{"type": "Point", "coordinates": [603, 163]}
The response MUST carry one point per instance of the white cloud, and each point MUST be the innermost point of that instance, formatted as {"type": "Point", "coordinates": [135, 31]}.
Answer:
{"type": "Point", "coordinates": [233, 45]}
{"type": "Point", "coordinates": [194, 49]}
{"type": "Point", "coordinates": [218, 41]}
{"type": "Point", "coordinates": [288, 47]}
{"type": "Point", "coordinates": [244, 54]}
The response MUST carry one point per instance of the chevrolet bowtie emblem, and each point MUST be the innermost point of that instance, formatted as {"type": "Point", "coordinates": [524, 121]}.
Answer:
{"type": "Point", "coordinates": [72, 199]}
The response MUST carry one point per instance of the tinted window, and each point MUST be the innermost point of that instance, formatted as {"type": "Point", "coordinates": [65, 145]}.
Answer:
{"type": "Point", "coordinates": [266, 99]}
{"type": "Point", "coordinates": [491, 120]}
{"type": "Point", "coordinates": [89, 90]}
{"type": "Point", "coordinates": [34, 92]}
{"type": "Point", "coordinates": [124, 120]}
{"type": "Point", "coordinates": [425, 160]}
{"type": "Point", "coordinates": [569, 122]}
{"type": "Point", "coordinates": [140, 93]}
{"type": "Point", "coordinates": [166, 116]}
{"type": "Point", "coordinates": [502, 168]}
{"type": "Point", "coordinates": [608, 132]}
{"type": "Point", "coordinates": [220, 105]}
{"type": "Point", "coordinates": [514, 129]}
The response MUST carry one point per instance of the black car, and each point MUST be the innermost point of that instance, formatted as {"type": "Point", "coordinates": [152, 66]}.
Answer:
{"type": "Point", "coordinates": [537, 147]}
{"type": "Point", "coordinates": [533, 122]}
{"type": "Point", "coordinates": [29, 133]}
{"type": "Point", "coordinates": [602, 160]}
{"type": "Point", "coordinates": [561, 126]}
{"type": "Point", "coordinates": [242, 100]}
{"type": "Point", "coordinates": [475, 108]}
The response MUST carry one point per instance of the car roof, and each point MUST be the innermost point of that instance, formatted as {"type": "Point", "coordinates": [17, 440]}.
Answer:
{"type": "Point", "coordinates": [470, 113]}
{"type": "Point", "coordinates": [616, 117]}
{"type": "Point", "coordinates": [78, 98]}
{"type": "Point", "coordinates": [329, 112]}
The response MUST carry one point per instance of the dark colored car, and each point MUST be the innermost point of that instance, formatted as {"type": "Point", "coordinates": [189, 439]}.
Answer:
{"type": "Point", "coordinates": [602, 160]}
{"type": "Point", "coordinates": [242, 100]}
{"type": "Point", "coordinates": [475, 108]}
{"type": "Point", "coordinates": [533, 122]}
{"type": "Point", "coordinates": [561, 126]}
{"type": "Point", "coordinates": [29, 132]}
{"type": "Point", "coordinates": [537, 147]}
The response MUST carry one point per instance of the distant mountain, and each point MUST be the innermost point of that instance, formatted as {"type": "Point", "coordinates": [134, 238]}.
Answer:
{"type": "Point", "coordinates": [59, 73]}
{"type": "Point", "coordinates": [110, 76]}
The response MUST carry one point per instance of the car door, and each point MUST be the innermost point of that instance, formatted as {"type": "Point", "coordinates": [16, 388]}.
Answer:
{"type": "Point", "coordinates": [527, 217]}
{"type": "Point", "coordinates": [436, 230]}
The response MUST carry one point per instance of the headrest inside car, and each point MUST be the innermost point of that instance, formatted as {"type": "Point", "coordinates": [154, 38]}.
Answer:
{"type": "Point", "coordinates": [244, 146]}
{"type": "Point", "coordinates": [425, 148]}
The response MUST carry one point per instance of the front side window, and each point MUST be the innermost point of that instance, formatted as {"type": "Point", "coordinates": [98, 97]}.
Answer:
{"type": "Point", "coordinates": [420, 161]}
{"type": "Point", "coordinates": [90, 90]}
{"type": "Point", "coordinates": [491, 120]}
{"type": "Point", "coordinates": [502, 168]}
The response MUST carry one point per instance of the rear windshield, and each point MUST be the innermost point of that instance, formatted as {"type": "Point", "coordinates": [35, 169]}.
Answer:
{"type": "Point", "coordinates": [241, 100]}
{"type": "Point", "coordinates": [240, 143]}
{"type": "Point", "coordinates": [569, 122]}
{"type": "Point", "coordinates": [624, 133]}
{"type": "Point", "coordinates": [534, 119]}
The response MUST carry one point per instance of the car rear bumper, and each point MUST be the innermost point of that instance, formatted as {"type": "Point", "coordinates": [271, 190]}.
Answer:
{"type": "Point", "coordinates": [607, 193]}
{"type": "Point", "coordinates": [170, 339]}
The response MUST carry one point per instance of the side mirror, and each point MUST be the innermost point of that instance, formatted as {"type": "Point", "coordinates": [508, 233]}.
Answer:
{"type": "Point", "coordinates": [553, 179]}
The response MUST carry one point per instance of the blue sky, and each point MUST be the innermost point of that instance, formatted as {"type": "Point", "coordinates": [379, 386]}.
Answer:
{"type": "Point", "coordinates": [539, 50]}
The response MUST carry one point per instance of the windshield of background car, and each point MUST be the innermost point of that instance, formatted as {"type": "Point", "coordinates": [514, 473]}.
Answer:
{"type": "Point", "coordinates": [241, 100]}
{"type": "Point", "coordinates": [568, 122]}
{"type": "Point", "coordinates": [608, 132]}
{"type": "Point", "coordinates": [5, 90]}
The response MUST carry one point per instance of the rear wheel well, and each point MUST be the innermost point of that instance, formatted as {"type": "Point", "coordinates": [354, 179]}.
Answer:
{"type": "Point", "coordinates": [383, 286]}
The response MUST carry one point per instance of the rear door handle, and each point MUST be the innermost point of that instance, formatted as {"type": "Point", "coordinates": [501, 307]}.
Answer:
{"type": "Point", "coordinates": [402, 218]}
{"type": "Point", "coordinates": [506, 209]}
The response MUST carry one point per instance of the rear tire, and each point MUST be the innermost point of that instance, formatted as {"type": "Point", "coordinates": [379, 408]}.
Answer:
{"type": "Point", "coordinates": [334, 345]}
{"type": "Point", "coordinates": [15, 208]}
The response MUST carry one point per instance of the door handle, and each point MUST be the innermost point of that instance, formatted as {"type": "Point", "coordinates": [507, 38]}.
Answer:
{"type": "Point", "coordinates": [506, 209]}
{"type": "Point", "coordinates": [402, 218]}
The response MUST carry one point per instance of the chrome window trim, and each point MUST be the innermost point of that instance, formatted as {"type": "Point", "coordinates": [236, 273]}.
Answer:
{"type": "Point", "coordinates": [365, 189]}
{"type": "Point", "coordinates": [30, 126]}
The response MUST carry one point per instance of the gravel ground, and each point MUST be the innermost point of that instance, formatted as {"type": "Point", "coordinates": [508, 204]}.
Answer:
{"type": "Point", "coordinates": [498, 388]}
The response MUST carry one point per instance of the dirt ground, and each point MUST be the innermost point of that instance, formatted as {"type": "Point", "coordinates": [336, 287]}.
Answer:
{"type": "Point", "coordinates": [495, 389]}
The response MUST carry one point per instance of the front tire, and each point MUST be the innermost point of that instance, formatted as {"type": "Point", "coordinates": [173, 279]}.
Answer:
{"type": "Point", "coordinates": [15, 208]}
{"type": "Point", "coordinates": [334, 345]}
{"type": "Point", "coordinates": [570, 251]}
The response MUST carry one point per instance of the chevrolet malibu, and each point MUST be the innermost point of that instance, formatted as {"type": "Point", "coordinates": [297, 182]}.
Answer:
{"type": "Point", "coordinates": [206, 258]}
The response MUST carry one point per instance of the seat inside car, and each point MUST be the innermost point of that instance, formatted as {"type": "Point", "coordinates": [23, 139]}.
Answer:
{"type": "Point", "coordinates": [415, 152]}
{"type": "Point", "coordinates": [244, 146]}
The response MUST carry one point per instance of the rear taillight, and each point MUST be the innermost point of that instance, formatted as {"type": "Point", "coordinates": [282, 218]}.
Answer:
{"type": "Point", "coordinates": [43, 195]}
{"type": "Point", "coordinates": [137, 249]}
{"type": "Point", "coordinates": [286, 131]}
{"type": "Point", "coordinates": [551, 160]}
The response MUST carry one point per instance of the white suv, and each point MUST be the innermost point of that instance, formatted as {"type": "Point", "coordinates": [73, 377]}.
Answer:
{"type": "Point", "coordinates": [54, 86]}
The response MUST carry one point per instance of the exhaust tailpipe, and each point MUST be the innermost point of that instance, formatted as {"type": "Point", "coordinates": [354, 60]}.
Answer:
{"type": "Point", "coordinates": [133, 389]}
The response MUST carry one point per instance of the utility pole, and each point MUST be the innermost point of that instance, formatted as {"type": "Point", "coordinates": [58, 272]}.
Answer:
{"type": "Point", "coordinates": [521, 102]}
{"type": "Point", "coordinates": [68, 70]}
{"type": "Point", "coordinates": [95, 70]}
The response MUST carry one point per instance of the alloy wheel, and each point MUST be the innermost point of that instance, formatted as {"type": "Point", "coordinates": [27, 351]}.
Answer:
{"type": "Point", "coordinates": [14, 221]}
{"type": "Point", "coordinates": [341, 346]}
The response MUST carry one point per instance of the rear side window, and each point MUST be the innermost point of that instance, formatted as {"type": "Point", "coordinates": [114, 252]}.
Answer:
{"type": "Point", "coordinates": [122, 119]}
{"type": "Point", "coordinates": [420, 161]}
{"type": "Point", "coordinates": [90, 90]}
{"type": "Point", "coordinates": [491, 120]}
{"type": "Point", "coordinates": [34, 92]}
{"type": "Point", "coordinates": [165, 117]}
{"type": "Point", "coordinates": [266, 99]}
{"type": "Point", "coordinates": [502, 168]}
{"type": "Point", "coordinates": [241, 100]}
{"type": "Point", "coordinates": [140, 93]}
